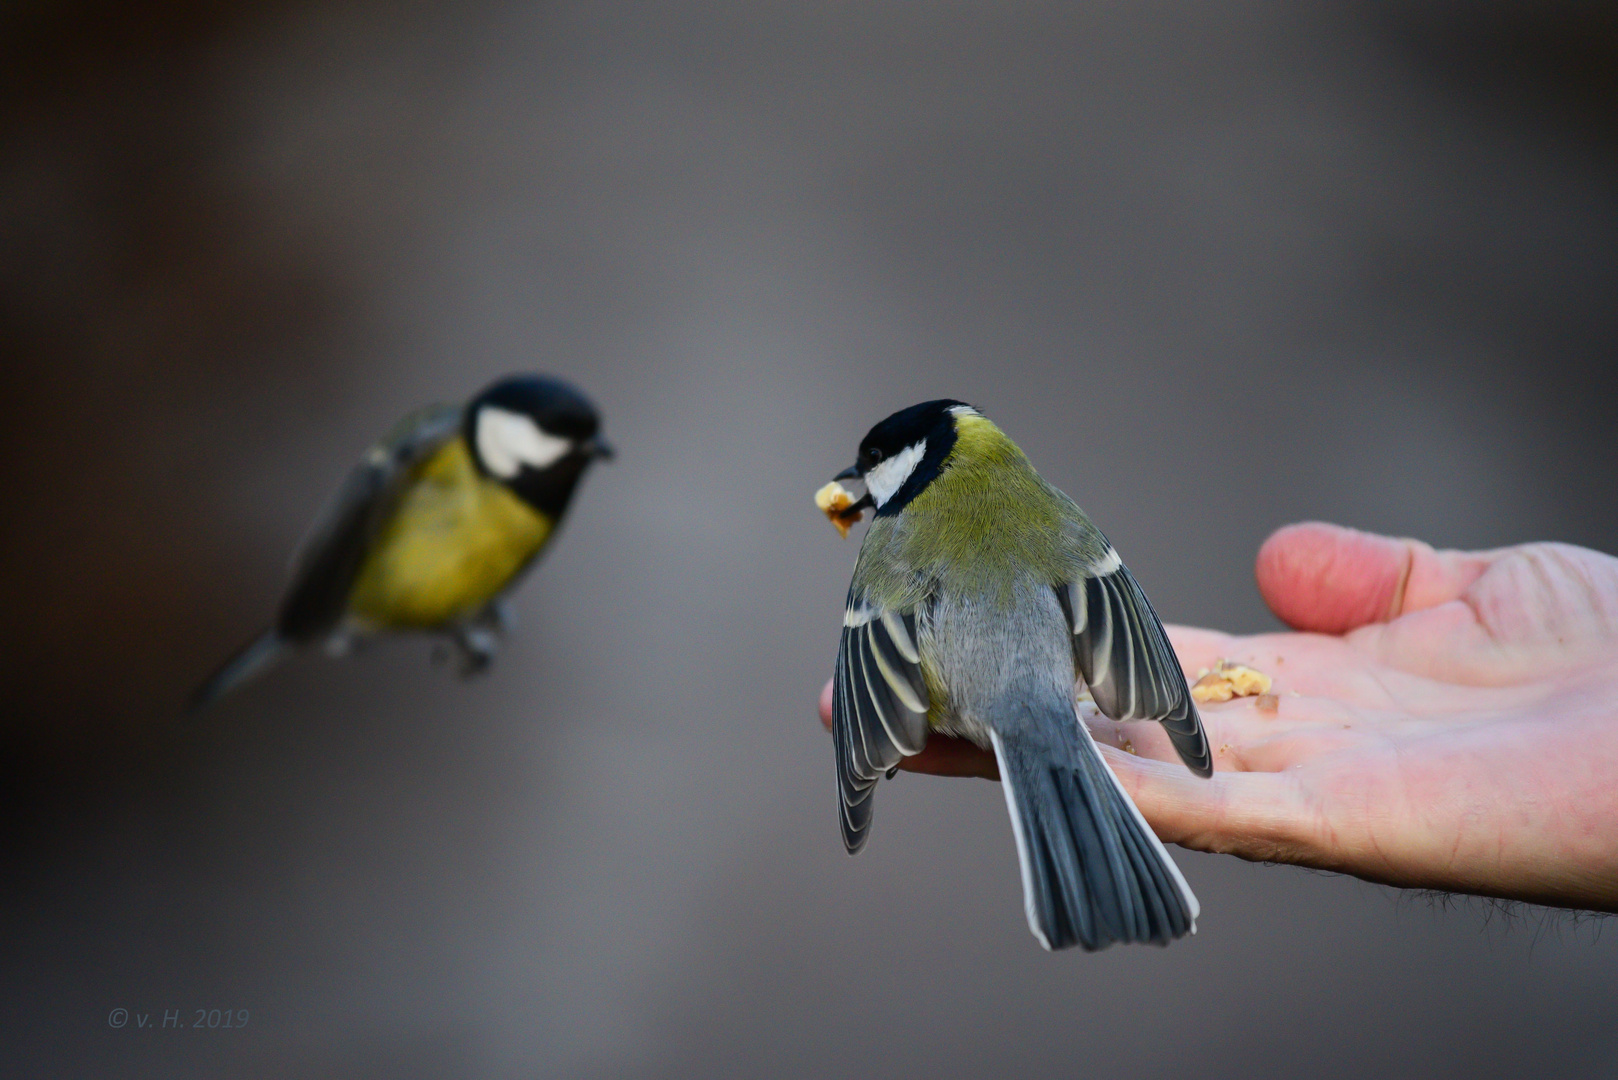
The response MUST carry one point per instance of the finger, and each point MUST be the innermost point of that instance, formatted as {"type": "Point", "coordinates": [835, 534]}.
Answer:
{"type": "Point", "coordinates": [1132, 736]}
{"type": "Point", "coordinates": [1228, 727]}
{"type": "Point", "coordinates": [1260, 816]}
{"type": "Point", "coordinates": [1331, 579]}
{"type": "Point", "coordinates": [1246, 737]}
{"type": "Point", "coordinates": [947, 756]}
{"type": "Point", "coordinates": [942, 756]}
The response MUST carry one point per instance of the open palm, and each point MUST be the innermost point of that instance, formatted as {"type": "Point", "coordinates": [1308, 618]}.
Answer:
{"type": "Point", "coordinates": [1447, 720]}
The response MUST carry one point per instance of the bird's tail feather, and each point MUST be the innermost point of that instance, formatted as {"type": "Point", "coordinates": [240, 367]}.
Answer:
{"type": "Point", "coordinates": [253, 660]}
{"type": "Point", "coordinates": [1093, 871]}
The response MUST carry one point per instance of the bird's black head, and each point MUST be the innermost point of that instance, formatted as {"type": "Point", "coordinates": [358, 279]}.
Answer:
{"type": "Point", "coordinates": [535, 435]}
{"type": "Point", "coordinates": [901, 455]}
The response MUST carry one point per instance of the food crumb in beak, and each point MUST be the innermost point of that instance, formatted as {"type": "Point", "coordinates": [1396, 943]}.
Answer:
{"type": "Point", "coordinates": [835, 501]}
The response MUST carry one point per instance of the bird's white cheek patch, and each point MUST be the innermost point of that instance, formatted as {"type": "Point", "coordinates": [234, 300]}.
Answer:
{"type": "Point", "coordinates": [887, 478]}
{"type": "Point", "coordinates": [507, 441]}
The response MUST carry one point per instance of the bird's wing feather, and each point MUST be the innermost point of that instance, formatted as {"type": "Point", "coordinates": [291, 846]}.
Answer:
{"type": "Point", "coordinates": [329, 561]}
{"type": "Point", "coordinates": [1126, 659]}
{"type": "Point", "coordinates": [879, 705]}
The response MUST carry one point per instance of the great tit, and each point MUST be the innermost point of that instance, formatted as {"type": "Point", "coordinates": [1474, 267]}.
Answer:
{"type": "Point", "coordinates": [433, 529]}
{"type": "Point", "coordinates": [981, 597]}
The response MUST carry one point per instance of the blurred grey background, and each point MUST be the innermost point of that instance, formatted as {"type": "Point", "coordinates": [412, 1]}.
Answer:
{"type": "Point", "coordinates": [1216, 267]}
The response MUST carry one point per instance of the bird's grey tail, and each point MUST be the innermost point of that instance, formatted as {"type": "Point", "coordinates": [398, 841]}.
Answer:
{"type": "Point", "coordinates": [1093, 872]}
{"type": "Point", "coordinates": [253, 660]}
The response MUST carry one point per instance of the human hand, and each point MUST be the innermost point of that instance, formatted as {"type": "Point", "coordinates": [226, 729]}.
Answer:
{"type": "Point", "coordinates": [1447, 720]}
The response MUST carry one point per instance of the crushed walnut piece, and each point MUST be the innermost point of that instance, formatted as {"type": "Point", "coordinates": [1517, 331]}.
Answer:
{"type": "Point", "coordinates": [1211, 687]}
{"type": "Point", "coordinates": [834, 501]}
{"type": "Point", "coordinates": [1228, 680]}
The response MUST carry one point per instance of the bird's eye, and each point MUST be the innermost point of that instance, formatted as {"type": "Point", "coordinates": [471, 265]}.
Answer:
{"type": "Point", "coordinates": [875, 455]}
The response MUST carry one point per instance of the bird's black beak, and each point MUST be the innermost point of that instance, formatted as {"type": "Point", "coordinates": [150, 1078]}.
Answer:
{"type": "Point", "coordinates": [864, 502]}
{"type": "Point", "coordinates": [600, 448]}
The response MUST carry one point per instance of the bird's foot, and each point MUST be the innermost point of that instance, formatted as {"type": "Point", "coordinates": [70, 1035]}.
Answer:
{"type": "Point", "coordinates": [499, 618]}
{"type": "Point", "coordinates": [476, 646]}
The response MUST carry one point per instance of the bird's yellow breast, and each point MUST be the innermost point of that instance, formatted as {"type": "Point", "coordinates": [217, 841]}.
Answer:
{"type": "Point", "coordinates": [455, 542]}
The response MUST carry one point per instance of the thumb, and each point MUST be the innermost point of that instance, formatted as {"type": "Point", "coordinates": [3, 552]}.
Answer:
{"type": "Point", "coordinates": [1256, 815]}
{"type": "Point", "coordinates": [1331, 580]}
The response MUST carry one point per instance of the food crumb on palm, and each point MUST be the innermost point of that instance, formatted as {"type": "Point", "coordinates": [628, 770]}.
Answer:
{"type": "Point", "coordinates": [1230, 680]}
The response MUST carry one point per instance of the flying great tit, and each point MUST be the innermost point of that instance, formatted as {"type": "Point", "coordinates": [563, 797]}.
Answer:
{"type": "Point", "coordinates": [981, 596]}
{"type": "Point", "coordinates": [435, 527]}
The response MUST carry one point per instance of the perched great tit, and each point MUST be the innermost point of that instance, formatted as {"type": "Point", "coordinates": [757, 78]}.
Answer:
{"type": "Point", "coordinates": [435, 526]}
{"type": "Point", "coordinates": [981, 597]}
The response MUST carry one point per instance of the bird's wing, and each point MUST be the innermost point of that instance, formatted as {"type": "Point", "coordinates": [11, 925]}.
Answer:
{"type": "Point", "coordinates": [325, 568]}
{"type": "Point", "coordinates": [879, 705]}
{"type": "Point", "coordinates": [1126, 659]}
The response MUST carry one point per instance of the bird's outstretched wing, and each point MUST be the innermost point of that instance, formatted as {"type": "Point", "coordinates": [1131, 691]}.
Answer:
{"type": "Point", "coordinates": [1126, 659]}
{"type": "Point", "coordinates": [329, 561]}
{"type": "Point", "coordinates": [879, 706]}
